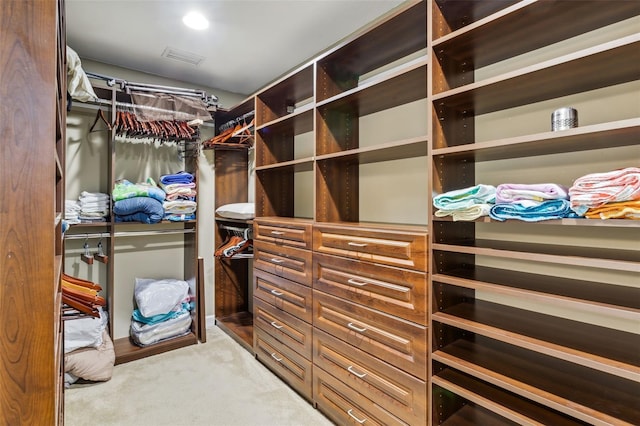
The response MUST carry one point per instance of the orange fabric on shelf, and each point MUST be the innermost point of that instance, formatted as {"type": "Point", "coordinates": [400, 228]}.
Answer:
{"type": "Point", "coordinates": [620, 210]}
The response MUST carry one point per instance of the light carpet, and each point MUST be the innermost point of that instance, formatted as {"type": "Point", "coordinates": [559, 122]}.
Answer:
{"type": "Point", "coordinates": [217, 383]}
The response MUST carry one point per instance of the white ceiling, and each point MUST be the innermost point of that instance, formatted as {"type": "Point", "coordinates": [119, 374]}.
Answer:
{"type": "Point", "coordinates": [248, 44]}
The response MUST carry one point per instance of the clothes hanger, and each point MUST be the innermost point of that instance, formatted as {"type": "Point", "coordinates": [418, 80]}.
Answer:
{"type": "Point", "coordinates": [100, 256]}
{"type": "Point", "coordinates": [87, 257]}
{"type": "Point", "coordinates": [99, 116]}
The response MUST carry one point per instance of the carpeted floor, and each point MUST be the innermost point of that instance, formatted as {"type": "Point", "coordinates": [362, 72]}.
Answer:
{"type": "Point", "coordinates": [213, 384]}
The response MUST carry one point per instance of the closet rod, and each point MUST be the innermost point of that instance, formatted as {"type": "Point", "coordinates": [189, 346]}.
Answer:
{"type": "Point", "coordinates": [233, 228]}
{"type": "Point", "coordinates": [127, 234]}
{"type": "Point", "coordinates": [235, 121]}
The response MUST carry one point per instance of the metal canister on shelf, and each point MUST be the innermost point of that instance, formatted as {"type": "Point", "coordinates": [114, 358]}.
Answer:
{"type": "Point", "coordinates": [564, 118]}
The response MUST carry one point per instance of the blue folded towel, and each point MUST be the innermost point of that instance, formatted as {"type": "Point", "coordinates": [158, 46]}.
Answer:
{"type": "Point", "coordinates": [180, 177]}
{"type": "Point", "coordinates": [138, 209]}
{"type": "Point", "coordinates": [532, 211]}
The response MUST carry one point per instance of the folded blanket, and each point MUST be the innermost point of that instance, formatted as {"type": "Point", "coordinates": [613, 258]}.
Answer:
{"type": "Point", "coordinates": [532, 211]}
{"type": "Point", "coordinates": [147, 334]}
{"type": "Point", "coordinates": [621, 210]}
{"type": "Point", "coordinates": [177, 187]}
{"type": "Point", "coordinates": [180, 177]}
{"type": "Point", "coordinates": [512, 192]}
{"type": "Point", "coordinates": [124, 189]}
{"type": "Point", "coordinates": [138, 209]}
{"type": "Point", "coordinates": [597, 189]}
{"type": "Point", "coordinates": [466, 197]}
{"type": "Point", "coordinates": [179, 207]}
{"type": "Point", "coordinates": [179, 217]}
{"type": "Point", "coordinates": [470, 213]}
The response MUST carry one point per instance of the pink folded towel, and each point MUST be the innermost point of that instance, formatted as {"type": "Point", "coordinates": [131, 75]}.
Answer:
{"type": "Point", "coordinates": [514, 192]}
{"type": "Point", "coordinates": [596, 189]}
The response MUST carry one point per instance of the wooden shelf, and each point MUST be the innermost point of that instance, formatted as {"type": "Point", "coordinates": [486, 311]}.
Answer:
{"type": "Point", "coordinates": [584, 138]}
{"type": "Point", "coordinates": [599, 66]}
{"type": "Point", "coordinates": [398, 36]}
{"type": "Point", "coordinates": [240, 327]}
{"type": "Point", "coordinates": [624, 260]}
{"type": "Point", "coordinates": [605, 349]}
{"type": "Point", "coordinates": [453, 15]}
{"type": "Point", "coordinates": [277, 141]}
{"type": "Point", "coordinates": [614, 300]}
{"type": "Point", "coordinates": [582, 221]}
{"type": "Point", "coordinates": [127, 351]}
{"type": "Point", "coordinates": [581, 392]}
{"type": "Point", "coordinates": [300, 121]}
{"type": "Point", "coordinates": [534, 24]}
{"type": "Point", "coordinates": [491, 405]}
{"type": "Point", "coordinates": [300, 165]}
{"type": "Point", "coordinates": [396, 150]}
{"type": "Point", "coordinates": [401, 86]}
{"type": "Point", "coordinates": [274, 101]}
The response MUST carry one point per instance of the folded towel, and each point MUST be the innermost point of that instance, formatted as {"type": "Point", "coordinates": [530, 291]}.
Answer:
{"type": "Point", "coordinates": [93, 196]}
{"type": "Point", "coordinates": [179, 217]}
{"type": "Point", "coordinates": [512, 192]}
{"type": "Point", "coordinates": [177, 187]}
{"type": "Point", "coordinates": [597, 189]}
{"type": "Point", "coordinates": [466, 197]}
{"type": "Point", "coordinates": [138, 209]}
{"type": "Point", "coordinates": [621, 210]}
{"type": "Point", "coordinates": [180, 177]}
{"type": "Point", "coordinates": [124, 189]}
{"type": "Point", "coordinates": [532, 211]}
{"type": "Point", "coordinates": [470, 213]}
{"type": "Point", "coordinates": [179, 207]}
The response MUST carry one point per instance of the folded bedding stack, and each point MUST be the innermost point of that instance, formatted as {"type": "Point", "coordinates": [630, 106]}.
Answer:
{"type": "Point", "coordinates": [531, 202]}
{"type": "Point", "coordinates": [609, 195]}
{"type": "Point", "coordinates": [465, 204]}
{"type": "Point", "coordinates": [94, 206]}
{"type": "Point", "coordinates": [163, 310]}
{"type": "Point", "coordinates": [140, 202]}
{"type": "Point", "coordinates": [88, 349]}
{"type": "Point", "coordinates": [180, 202]}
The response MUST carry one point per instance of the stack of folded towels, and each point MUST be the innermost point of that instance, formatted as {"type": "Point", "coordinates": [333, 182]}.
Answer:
{"type": "Point", "coordinates": [609, 195]}
{"type": "Point", "coordinates": [465, 204]}
{"type": "Point", "coordinates": [94, 206]}
{"type": "Point", "coordinates": [531, 202]}
{"type": "Point", "coordinates": [140, 202]}
{"type": "Point", "coordinates": [163, 310]}
{"type": "Point", "coordinates": [72, 211]}
{"type": "Point", "coordinates": [180, 202]}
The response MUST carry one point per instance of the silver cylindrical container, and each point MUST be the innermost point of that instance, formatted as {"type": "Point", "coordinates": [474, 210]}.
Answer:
{"type": "Point", "coordinates": [564, 118]}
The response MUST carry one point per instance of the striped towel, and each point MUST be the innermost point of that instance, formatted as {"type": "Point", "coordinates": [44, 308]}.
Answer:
{"type": "Point", "coordinates": [597, 189]}
{"type": "Point", "coordinates": [532, 211]}
{"type": "Point", "coordinates": [470, 213]}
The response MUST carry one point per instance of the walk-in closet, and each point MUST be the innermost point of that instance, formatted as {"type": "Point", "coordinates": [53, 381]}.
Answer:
{"type": "Point", "coordinates": [427, 212]}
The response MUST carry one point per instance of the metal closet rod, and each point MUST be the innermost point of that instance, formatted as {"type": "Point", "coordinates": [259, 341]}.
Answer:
{"type": "Point", "coordinates": [127, 234]}
{"type": "Point", "coordinates": [129, 85]}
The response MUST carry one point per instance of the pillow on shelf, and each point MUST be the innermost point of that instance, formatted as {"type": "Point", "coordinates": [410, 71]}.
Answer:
{"type": "Point", "coordinates": [237, 211]}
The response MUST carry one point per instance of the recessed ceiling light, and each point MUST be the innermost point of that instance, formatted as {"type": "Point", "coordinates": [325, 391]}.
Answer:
{"type": "Point", "coordinates": [195, 20]}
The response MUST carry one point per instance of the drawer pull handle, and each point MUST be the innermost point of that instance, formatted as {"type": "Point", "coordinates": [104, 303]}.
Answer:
{"type": "Point", "coordinates": [276, 293]}
{"type": "Point", "coordinates": [350, 413]}
{"type": "Point", "coordinates": [277, 233]}
{"type": "Point", "coordinates": [358, 283]}
{"type": "Point", "coordinates": [274, 260]}
{"type": "Point", "coordinates": [273, 355]}
{"type": "Point", "coordinates": [273, 323]}
{"type": "Point", "coordinates": [354, 372]}
{"type": "Point", "coordinates": [351, 243]}
{"type": "Point", "coordinates": [358, 329]}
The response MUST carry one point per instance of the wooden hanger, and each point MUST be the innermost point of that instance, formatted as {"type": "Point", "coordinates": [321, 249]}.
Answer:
{"type": "Point", "coordinates": [99, 116]}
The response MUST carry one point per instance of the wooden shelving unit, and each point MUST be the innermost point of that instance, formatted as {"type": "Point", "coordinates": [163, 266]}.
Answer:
{"type": "Point", "coordinates": [490, 359]}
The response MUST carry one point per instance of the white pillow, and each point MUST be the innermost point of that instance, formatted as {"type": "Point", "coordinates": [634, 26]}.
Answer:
{"type": "Point", "coordinates": [237, 211]}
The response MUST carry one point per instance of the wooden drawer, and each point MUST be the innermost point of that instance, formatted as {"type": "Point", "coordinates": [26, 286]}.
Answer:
{"type": "Point", "coordinates": [287, 262]}
{"type": "Point", "coordinates": [394, 390]}
{"type": "Point", "coordinates": [401, 343]}
{"type": "Point", "coordinates": [291, 232]}
{"type": "Point", "coordinates": [394, 247]}
{"type": "Point", "coordinates": [284, 327]}
{"type": "Point", "coordinates": [399, 292]}
{"type": "Point", "coordinates": [290, 366]}
{"type": "Point", "coordinates": [286, 295]}
{"type": "Point", "coordinates": [345, 406]}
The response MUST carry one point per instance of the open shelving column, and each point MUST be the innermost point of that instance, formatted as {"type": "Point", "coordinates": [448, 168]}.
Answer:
{"type": "Point", "coordinates": [507, 345]}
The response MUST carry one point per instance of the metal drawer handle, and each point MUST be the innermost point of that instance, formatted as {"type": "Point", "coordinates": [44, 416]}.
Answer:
{"type": "Point", "coordinates": [276, 292]}
{"type": "Point", "coordinates": [358, 283]}
{"type": "Point", "coordinates": [277, 232]}
{"type": "Point", "coordinates": [358, 329]}
{"type": "Point", "coordinates": [351, 243]}
{"type": "Point", "coordinates": [352, 371]}
{"type": "Point", "coordinates": [273, 355]}
{"type": "Point", "coordinates": [349, 412]}
{"type": "Point", "coordinates": [273, 323]}
{"type": "Point", "coordinates": [274, 260]}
